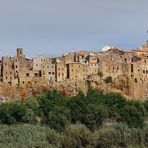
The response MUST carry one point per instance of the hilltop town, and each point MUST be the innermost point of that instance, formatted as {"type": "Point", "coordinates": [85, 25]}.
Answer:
{"type": "Point", "coordinates": [112, 69]}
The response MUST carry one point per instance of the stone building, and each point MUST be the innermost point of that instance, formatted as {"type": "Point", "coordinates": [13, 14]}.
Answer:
{"type": "Point", "coordinates": [60, 69]}
{"type": "Point", "coordinates": [44, 67]}
{"type": "Point", "coordinates": [14, 69]}
{"type": "Point", "coordinates": [128, 70]}
{"type": "Point", "coordinates": [111, 62]}
{"type": "Point", "coordinates": [77, 72]}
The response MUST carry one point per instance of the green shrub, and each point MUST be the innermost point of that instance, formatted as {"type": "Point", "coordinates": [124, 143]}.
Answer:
{"type": "Point", "coordinates": [23, 136]}
{"type": "Point", "coordinates": [108, 79]}
{"type": "Point", "coordinates": [58, 118]}
{"type": "Point", "coordinates": [77, 136]}
{"type": "Point", "coordinates": [121, 135]}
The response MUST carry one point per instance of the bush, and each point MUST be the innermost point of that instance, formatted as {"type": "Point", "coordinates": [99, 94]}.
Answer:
{"type": "Point", "coordinates": [134, 114]}
{"type": "Point", "coordinates": [90, 114]}
{"type": "Point", "coordinates": [11, 113]}
{"type": "Point", "coordinates": [23, 136]}
{"type": "Point", "coordinates": [77, 136]}
{"type": "Point", "coordinates": [58, 118]}
{"type": "Point", "coordinates": [121, 135]}
{"type": "Point", "coordinates": [108, 79]}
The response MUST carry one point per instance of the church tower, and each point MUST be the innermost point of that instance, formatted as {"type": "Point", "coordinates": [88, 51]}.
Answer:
{"type": "Point", "coordinates": [20, 52]}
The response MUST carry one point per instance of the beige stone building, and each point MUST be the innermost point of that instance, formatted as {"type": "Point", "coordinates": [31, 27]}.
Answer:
{"type": "Point", "coordinates": [44, 67]}
{"type": "Point", "coordinates": [60, 69]}
{"type": "Point", "coordinates": [77, 72]}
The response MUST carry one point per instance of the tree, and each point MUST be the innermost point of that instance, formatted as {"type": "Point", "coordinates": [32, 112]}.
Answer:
{"type": "Point", "coordinates": [108, 79]}
{"type": "Point", "coordinates": [94, 116]}
{"type": "Point", "coordinates": [5, 114]}
{"type": "Point", "coordinates": [134, 114]}
{"type": "Point", "coordinates": [17, 110]}
{"type": "Point", "coordinates": [12, 112]}
{"type": "Point", "coordinates": [58, 118]}
{"type": "Point", "coordinates": [88, 113]}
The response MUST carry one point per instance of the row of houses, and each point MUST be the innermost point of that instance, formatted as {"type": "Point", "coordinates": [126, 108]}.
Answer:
{"type": "Point", "coordinates": [21, 71]}
{"type": "Point", "coordinates": [130, 67]}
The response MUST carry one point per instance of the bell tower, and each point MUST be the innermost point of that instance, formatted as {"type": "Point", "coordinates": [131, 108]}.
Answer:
{"type": "Point", "coordinates": [20, 52]}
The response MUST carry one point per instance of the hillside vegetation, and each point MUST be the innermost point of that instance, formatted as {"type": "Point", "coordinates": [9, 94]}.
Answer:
{"type": "Point", "coordinates": [92, 120]}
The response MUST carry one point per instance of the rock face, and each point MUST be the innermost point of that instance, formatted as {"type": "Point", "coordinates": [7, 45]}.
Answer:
{"type": "Point", "coordinates": [13, 93]}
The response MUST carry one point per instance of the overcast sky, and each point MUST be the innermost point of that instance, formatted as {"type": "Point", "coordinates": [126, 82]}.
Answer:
{"type": "Point", "coordinates": [56, 26]}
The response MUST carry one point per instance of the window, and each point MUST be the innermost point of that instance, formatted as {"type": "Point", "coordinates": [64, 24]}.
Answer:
{"type": "Point", "coordinates": [40, 74]}
{"type": "Point", "coordinates": [27, 74]}
{"type": "Point", "coordinates": [36, 74]}
{"type": "Point", "coordinates": [143, 71]}
{"type": "Point", "coordinates": [132, 60]}
{"type": "Point", "coordinates": [132, 68]}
